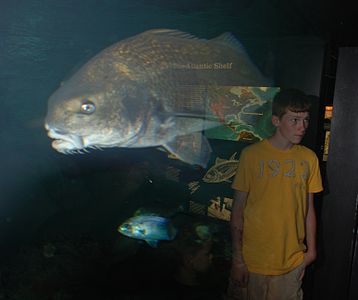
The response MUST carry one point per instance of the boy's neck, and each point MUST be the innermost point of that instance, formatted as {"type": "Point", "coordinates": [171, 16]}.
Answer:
{"type": "Point", "coordinates": [277, 141]}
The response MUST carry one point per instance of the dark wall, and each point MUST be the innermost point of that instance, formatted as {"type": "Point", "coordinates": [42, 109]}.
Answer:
{"type": "Point", "coordinates": [336, 274]}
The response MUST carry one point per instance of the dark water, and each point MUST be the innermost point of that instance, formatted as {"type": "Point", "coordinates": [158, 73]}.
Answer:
{"type": "Point", "coordinates": [59, 214]}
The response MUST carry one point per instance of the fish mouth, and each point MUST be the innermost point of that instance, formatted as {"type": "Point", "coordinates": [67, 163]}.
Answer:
{"type": "Point", "coordinates": [64, 142]}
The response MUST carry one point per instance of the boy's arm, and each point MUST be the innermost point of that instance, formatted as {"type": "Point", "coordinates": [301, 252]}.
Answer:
{"type": "Point", "coordinates": [311, 226]}
{"type": "Point", "coordinates": [239, 271]}
{"type": "Point", "coordinates": [237, 225]}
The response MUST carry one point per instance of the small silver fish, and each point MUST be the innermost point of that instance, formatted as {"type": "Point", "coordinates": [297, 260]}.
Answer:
{"type": "Point", "coordinates": [148, 228]}
{"type": "Point", "coordinates": [150, 90]}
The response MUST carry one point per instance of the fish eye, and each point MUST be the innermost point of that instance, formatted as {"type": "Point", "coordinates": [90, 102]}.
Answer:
{"type": "Point", "coordinates": [88, 107]}
{"type": "Point", "coordinates": [124, 228]}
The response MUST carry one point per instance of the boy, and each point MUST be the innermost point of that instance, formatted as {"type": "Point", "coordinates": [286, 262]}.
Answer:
{"type": "Point", "coordinates": [273, 212]}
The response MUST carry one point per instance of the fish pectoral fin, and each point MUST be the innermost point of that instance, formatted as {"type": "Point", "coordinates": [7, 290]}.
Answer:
{"type": "Point", "coordinates": [192, 148]}
{"type": "Point", "coordinates": [152, 243]}
{"type": "Point", "coordinates": [194, 123]}
{"type": "Point", "coordinates": [186, 122]}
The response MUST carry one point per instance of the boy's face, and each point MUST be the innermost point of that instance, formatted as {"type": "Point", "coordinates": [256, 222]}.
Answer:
{"type": "Point", "coordinates": [292, 125]}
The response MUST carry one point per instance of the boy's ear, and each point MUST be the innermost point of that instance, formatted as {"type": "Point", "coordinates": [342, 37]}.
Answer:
{"type": "Point", "coordinates": [275, 121]}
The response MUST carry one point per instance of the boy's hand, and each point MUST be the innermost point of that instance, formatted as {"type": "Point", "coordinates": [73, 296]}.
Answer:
{"type": "Point", "coordinates": [309, 258]}
{"type": "Point", "coordinates": [240, 274]}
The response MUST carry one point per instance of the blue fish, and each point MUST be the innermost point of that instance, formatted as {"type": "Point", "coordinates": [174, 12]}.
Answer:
{"type": "Point", "coordinates": [148, 228]}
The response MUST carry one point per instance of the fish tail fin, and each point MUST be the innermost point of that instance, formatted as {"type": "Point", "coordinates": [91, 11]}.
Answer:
{"type": "Point", "coordinates": [172, 232]}
{"type": "Point", "coordinates": [152, 243]}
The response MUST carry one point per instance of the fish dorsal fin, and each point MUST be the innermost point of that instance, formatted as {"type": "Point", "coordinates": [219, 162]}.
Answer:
{"type": "Point", "coordinates": [233, 156]}
{"type": "Point", "coordinates": [173, 33]}
{"type": "Point", "coordinates": [219, 160]}
{"type": "Point", "coordinates": [228, 39]}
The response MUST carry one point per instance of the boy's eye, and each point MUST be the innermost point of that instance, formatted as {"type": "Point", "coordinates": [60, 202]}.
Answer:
{"type": "Point", "coordinates": [294, 121]}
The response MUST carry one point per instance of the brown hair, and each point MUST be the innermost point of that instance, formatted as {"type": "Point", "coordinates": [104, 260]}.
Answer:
{"type": "Point", "coordinates": [290, 99]}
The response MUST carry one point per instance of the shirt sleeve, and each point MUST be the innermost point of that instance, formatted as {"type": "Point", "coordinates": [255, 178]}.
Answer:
{"type": "Point", "coordinates": [315, 180]}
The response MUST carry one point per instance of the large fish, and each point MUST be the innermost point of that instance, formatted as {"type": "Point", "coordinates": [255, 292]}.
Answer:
{"type": "Point", "coordinates": [149, 228]}
{"type": "Point", "coordinates": [150, 90]}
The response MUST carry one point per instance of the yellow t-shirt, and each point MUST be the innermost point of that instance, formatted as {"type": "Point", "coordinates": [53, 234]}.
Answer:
{"type": "Point", "coordinates": [277, 183]}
